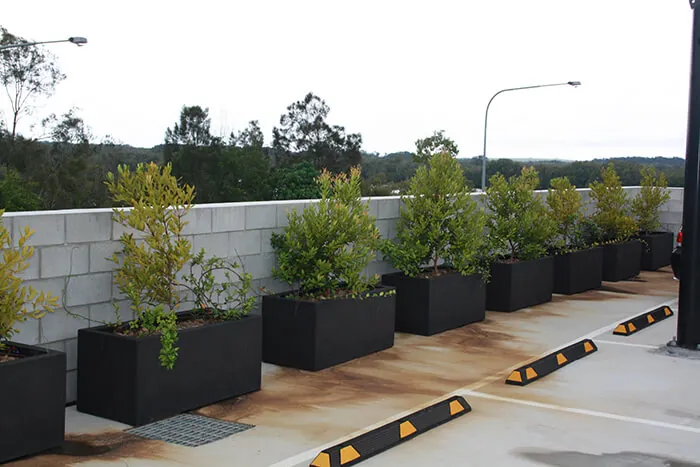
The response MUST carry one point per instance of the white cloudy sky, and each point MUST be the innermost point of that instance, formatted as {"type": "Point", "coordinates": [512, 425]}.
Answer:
{"type": "Point", "coordinates": [391, 70]}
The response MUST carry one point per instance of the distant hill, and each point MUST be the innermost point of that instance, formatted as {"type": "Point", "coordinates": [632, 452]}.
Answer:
{"type": "Point", "coordinates": [658, 162]}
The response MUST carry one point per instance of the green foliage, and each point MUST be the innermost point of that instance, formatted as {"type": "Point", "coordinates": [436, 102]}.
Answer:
{"type": "Point", "coordinates": [653, 195]}
{"type": "Point", "coordinates": [295, 182]}
{"type": "Point", "coordinates": [15, 193]}
{"type": "Point", "coordinates": [304, 135]}
{"type": "Point", "coordinates": [324, 250]}
{"type": "Point", "coordinates": [439, 220]}
{"type": "Point", "coordinates": [518, 221]}
{"type": "Point", "coordinates": [226, 300]}
{"type": "Point", "coordinates": [17, 301]}
{"type": "Point", "coordinates": [565, 205]}
{"type": "Point", "coordinates": [436, 144]}
{"type": "Point", "coordinates": [612, 206]}
{"type": "Point", "coordinates": [147, 270]}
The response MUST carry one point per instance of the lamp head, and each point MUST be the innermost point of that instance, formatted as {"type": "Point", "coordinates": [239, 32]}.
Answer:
{"type": "Point", "coordinates": [574, 83]}
{"type": "Point", "coordinates": [79, 41]}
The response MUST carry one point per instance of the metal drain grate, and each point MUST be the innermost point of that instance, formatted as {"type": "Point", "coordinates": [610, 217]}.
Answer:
{"type": "Point", "coordinates": [189, 430]}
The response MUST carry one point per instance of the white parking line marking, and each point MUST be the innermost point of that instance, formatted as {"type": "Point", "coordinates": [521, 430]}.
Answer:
{"type": "Point", "coordinates": [592, 413]}
{"type": "Point", "coordinates": [311, 453]}
{"type": "Point", "coordinates": [627, 344]}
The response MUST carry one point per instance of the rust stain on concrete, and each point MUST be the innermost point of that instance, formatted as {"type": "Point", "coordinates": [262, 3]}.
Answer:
{"type": "Point", "coordinates": [106, 446]}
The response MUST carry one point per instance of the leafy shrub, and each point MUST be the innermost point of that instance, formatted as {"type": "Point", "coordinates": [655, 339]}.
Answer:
{"type": "Point", "coordinates": [612, 205]}
{"type": "Point", "coordinates": [439, 220]}
{"type": "Point", "coordinates": [574, 230]}
{"type": "Point", "coordinates": [518, 220]}
{"type": "Point", "coordinates": [18, 302]}
{"type": "Point", "coordinates": [653, 195]}
{"type": "Point", "coordinates": [324, 249]}
{"type": "Point", "coordinates": [147, 269]}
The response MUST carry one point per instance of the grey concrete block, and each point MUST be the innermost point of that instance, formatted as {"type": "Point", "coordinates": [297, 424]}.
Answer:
{"type": "Point", "coordinates": [71, 386]}
{"type": "Point", "coordinates": [60, 325]}
{"type": "Point", "coordinates": [34, 269]}
{"type": "Point", "coordinates": [49, 229]}
{"type": "Point", "coordinates": [271, 286]}
{"type": "Point", "coordinates": [247, 242]}
{"type": "Point", "coordinates": [71, 349]}
{"type": "Point", "coordinates": [57, 346]}
{"type": "Point", "coordinates": [373, 207]}
{"type": "Point", "coordinates": [388, 208]}
{"type": "Point", "coordinates": [199, 221]}
{"type": "Point", "coordinates": [7, 224]}
{"type": "Point", "coordinates": [104, 313]}
{"type": "Point", "coordinates": [676, 194]}
{"type": "Point", "coordinates": [214, 244]}
{"type": "Point", "coordinates": [89, 288]}
{"type": "Point", "coordinates": [88, 227]}
{"type": "Point", "coordinates": [669, 217]}
{"type": "Point", "coordinates": [284, 209]}
{"type": "Point", "coordinates": [28, 332]}
{"type": "Point", "coordinates": [261, 216]}
{"type": "Point", "coordinates": [392, 228]}
{"type": "Point", "coordinates": [228, 219]}
{"type": "Point", "coordinates": [118, 230]}
{"type": "Point", "coordinates": [259, 266]}
{"type": "Point", "coordinates": [672, 206]}
{"type": "Point", "coordinates": [383, 226]}
{"type": "Point", "coordinates": [267, 237]}
{"type": "Point", "coordinates": [57, 261]}
{"type": "Point", "coordinates": [99, 252]}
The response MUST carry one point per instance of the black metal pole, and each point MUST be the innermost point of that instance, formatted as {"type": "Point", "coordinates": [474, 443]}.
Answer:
{"type": "Point", "coordinates": [689, 298]}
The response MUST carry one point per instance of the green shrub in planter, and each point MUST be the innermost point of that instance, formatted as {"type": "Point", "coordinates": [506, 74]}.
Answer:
{"type": "Point", "coordinates": [335, 312]}
{"type": "Point", "coordinates": [522, 232]}
{"type": "Point", "coordinates": [32, 379]}
{"type": "Point", "coordinates": [622, 255]}
{"type": "Point", "coordinates": [439, 222]}
{"type": "Point", "coordinates": [578, 265]}
{"type": "Point", "coordinates": [657, 246]}
{"type": "Point", "coordinates": [167, 360]}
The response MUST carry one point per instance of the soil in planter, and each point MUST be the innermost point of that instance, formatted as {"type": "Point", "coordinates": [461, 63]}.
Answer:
{"type": "Point", "coordinates": [10, 353]}
{"type": "Point", "coordinates": [183, 322]}
{"type": "Point", "coordinates": [324, 295]}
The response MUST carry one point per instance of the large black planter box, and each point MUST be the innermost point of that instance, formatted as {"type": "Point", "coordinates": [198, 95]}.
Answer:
{"type": "Point", "coordinates": [313, 335]}
{"type": "Point", "coordinates": [32, 402]}
{"type": "Point", "coordinates": [622, 261]}
{"type": "Point", "coordinates": [656, 250]}
{"type": "Point", "coordinates": [523, 284]}
{"type": "Point", "coordinates": [427, 306]}
{"type": "Point", "coordinates": [578, 271]}
{"type": "Point", "coordinates": [120, 377]}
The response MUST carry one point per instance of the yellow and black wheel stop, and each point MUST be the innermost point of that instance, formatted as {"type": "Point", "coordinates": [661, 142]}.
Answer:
{"type": "Point", "coordinates": [550, 363]}
{"type": "Point", "coordinates": [642, 321]}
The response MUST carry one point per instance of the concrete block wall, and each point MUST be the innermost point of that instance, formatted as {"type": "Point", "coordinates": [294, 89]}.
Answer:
{"type": "Point", "coordinates": [71, 248]}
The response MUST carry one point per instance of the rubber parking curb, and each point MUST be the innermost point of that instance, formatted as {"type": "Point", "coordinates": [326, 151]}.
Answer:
{"type": "Point", "coordinates": [393, 433]}
{"type": "Point", "coordinates": [642, 321]}
{"type": "Point", "coordinates": [550, 363]}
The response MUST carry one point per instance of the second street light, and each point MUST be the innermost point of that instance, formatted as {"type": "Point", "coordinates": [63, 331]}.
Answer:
{"type": "Point", "coordinates": [79, 41]}
{"type": "Point", "coordinates": [486, 119]}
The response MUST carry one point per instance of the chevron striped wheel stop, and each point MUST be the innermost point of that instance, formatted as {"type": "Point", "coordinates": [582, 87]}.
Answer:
{"type": "Point", "coordinates": [550, 363]}
{"type": "Point", "coordinates": [393, 433]}
{"type": "Point", "coordinates": [642, 321]}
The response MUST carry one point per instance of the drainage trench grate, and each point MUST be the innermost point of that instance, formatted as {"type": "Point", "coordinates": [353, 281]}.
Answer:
{"type": "Point", "coordinates": [189, 430]}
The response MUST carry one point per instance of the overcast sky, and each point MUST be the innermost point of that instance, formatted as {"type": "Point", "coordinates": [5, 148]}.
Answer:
{"type": "Point", "coordinates": [393, 71]}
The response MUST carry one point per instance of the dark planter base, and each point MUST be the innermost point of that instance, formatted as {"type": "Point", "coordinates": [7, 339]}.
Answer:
{"type": "Point", "coordinates": [622, 261]}
{"type": "Point", "coordinates": [313, 335]}
{"type": "Point", "coordinates": [427, 306]}
{"type": "Point", "coordinates": [120, 377]}
{"type": "Point", "coordinates": [32, 402]}
{"type": "Point", "coordinates": [515, 286]}
{"type": "Point", "coordinates": [578, 271]}
{"type": "Point", "coordinates": [656, 250]}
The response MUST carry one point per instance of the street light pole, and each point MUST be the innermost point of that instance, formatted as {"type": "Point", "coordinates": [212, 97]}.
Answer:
{"type": "Point", "coordinates": [688, 330]}
{"type": "Point", "coordinates": [486, 119]}
{"type": "Point", "coordinates": [79, 41]}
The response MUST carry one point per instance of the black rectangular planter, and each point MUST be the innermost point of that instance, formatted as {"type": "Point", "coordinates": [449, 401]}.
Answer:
{"type": "Point", "coordinates": [313, 335]}
{"type": "Point", "coordinates": [656, 250]}
{"type": "Point", "coordinates": [427, 306]}
{"type": "Point", "coordinates": [32, 402]}
{"type": "Point", "coordinates": [622, 261]}
{"type": "Point", "coordinates": [120, 377]}
{"type": "Point", "coordinates": [514, 286]}
{"type": "Point", "coordinates": [578, 271]}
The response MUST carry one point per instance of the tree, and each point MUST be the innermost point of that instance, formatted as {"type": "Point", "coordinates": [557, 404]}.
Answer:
{"type": "Point", "coordinates": [250, 137]}
{"type": "Point", "coordinates": [652, 195]}
{"type": "Point", "coordinates": [296, 182]}
{"type": "Point", "coordinates": [26, 73]}
{"type": "Point", "coordinates": [194, 128]}
{"type": "Point", "coordinates": [16, 193]}
{"type": "Point", "coordinates": [612, 206]}
{"type": "Point", "coordinates": [436, 144]}
{"type": "Point", "coordinates": [304, 133]}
